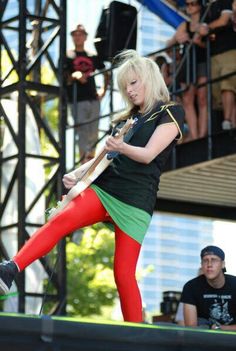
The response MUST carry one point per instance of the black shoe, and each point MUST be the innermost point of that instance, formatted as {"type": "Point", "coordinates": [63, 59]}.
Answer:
{"type": "Point", "coordinates": [8, 271]}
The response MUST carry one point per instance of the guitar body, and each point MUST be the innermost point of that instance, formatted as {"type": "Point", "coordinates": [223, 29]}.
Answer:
{"type": "Point", "coordinates": [101, 162]}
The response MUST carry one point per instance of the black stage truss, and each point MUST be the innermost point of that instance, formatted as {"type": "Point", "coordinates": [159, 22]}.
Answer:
{"type": "Point", "coordinates": [33, 40]}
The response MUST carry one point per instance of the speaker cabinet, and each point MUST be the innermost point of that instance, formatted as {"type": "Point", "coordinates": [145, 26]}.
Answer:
{"type": "Point", "coordinates": [117, 30]}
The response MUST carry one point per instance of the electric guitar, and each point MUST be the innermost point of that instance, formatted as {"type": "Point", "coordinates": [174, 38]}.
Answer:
{"type": "Point", "coordinates": [99, 164]}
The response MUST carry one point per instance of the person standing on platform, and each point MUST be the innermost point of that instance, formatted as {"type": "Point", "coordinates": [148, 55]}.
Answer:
{"type": "Point", "coordinates": [82, 93]}
{"type": "Point", "coordinates": [194, 98]}
{"type": "Point", "coordinates": [233, 17]}
{"type": "Point", "coordinates": [125, 193]}
{"type": "Point", "coordinates": [223, 58]}
{"type": "Point", "coordinates": [210, 299]}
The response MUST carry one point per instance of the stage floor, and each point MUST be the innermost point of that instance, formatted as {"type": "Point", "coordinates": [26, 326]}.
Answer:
{"type": "Point", "coordinates": [20, 332]}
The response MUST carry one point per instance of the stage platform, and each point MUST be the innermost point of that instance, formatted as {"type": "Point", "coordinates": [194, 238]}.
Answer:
{"type": "Point", "coordinates": [20, 332]}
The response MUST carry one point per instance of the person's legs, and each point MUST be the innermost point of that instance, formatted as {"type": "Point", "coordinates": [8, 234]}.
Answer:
{"type": "Point", "coordinates": [84, 210]}
{"type": "Point", "coordinates": [228, 87]}
{"type": "Point", "coordinates": [226, 64]}
{"type": "Point", "coordinates": [88, 117]}
{"type": "Point", "coordinates": [83, 110]}
{"type": "Point", "coordinates": [202, 108]}
{"type": "Point", "coordinates": [92, 128]}
{"type": "Point", "coordinates": [190, 113]}
{"type": "Point", "coordinates": [125, 260]}
{"type": "Point", "coordinates": [228, 100]}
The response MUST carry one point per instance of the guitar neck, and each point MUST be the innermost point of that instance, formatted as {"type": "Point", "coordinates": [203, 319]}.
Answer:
{"type": "Point", "coordinates": [103, 152]}
{"type": "Point", "coordinates": [97, 160]}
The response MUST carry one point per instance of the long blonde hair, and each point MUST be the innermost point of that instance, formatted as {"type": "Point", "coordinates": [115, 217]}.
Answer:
{"type": "Point", "coordinates": [148, 72]}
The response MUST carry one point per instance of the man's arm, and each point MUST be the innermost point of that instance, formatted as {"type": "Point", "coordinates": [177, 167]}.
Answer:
{"type": "Point", "coordinates": [190, 315]}
{"type": "Point", "coordinates": [231, 327]}
{"type": "Point", "coordinates": [221, 21]}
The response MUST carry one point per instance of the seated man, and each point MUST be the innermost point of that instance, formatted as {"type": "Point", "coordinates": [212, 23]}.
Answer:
{"type": "Point", "coordinates": [211, 297]}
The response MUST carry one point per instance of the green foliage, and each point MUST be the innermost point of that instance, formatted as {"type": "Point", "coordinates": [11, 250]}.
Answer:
{"type": "Point", "coordinates": [90, 279]}
{"type": "Point", "coordinates": [6, 65]}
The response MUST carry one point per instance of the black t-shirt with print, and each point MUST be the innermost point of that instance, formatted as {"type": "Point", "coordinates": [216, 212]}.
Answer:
{"type": "Point", "coordinates": [215, 305]}
{"type": "Point", "coordinates": [136, 183]}
{"type": "Point", "coordinates": [225, 37]}
{"type": "Point", "coordinates": [87, 64]}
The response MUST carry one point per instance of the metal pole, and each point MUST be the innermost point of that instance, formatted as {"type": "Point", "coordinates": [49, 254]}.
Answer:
{"type": "Point", "coordinates": [62, 131]}
{"type": "Point", "coordinates": [21, 144]}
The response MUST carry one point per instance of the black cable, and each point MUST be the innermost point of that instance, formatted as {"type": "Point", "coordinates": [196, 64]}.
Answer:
{"type": "Point", "coordinates": [47, 286]}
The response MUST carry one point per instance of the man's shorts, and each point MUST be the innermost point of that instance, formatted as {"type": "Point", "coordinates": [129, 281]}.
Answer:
{"type": "Point", "coordinates": [221, 65]}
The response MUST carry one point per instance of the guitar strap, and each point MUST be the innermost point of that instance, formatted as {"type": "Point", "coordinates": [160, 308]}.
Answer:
{"type": "Point", "coordinates": [138, 123]}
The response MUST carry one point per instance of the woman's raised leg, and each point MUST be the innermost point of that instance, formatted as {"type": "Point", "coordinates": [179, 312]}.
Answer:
{"type": "Point", "coordinates": [86, 209]}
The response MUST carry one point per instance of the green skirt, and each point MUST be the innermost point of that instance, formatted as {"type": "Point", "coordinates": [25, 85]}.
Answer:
{"type": "Point", "coordinates": [131, 220]}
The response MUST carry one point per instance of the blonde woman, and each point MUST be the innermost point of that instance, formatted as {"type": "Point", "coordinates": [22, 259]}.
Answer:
{"type": "Point", "coordinates": [125, 193]}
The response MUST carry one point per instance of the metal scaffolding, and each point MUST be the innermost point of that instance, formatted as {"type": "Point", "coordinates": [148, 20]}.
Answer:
{"type": "Point", "coordinates": [33, 47]}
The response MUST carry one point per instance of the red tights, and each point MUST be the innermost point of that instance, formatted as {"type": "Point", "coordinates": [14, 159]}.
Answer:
{"type": "Point", "coordinates": [84, 210]}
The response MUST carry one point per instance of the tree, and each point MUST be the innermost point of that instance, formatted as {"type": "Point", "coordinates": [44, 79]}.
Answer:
{"type": "Point", "coordinates": [90, 272]}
